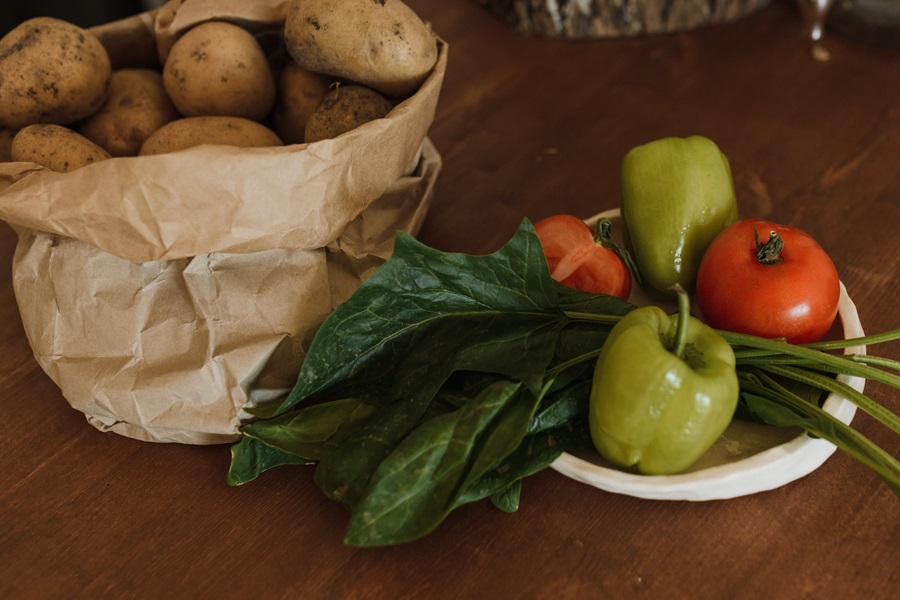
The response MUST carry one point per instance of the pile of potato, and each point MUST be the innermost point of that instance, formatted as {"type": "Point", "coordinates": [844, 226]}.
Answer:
{"type": "Point", "coordinates": [346, 62]}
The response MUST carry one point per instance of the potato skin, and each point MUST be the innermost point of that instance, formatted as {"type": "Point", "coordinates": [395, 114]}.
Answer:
{"type": "Point", "coordinates": [344, 108]}
{"type": "Point", "coordinates": [217, 68]}
{"type": "Point", "coordinates": [56, 147]}
{"type": "Point", "coordinates": [51, 71]}
{"type": "Point", "coordinates": [381, 44]}
{"type": "Point", "coordinates": [300, 92]}
{"type": "Point", "coordinates": [195, 131]}
{"type": "Point", "coordinates": [137, 106]}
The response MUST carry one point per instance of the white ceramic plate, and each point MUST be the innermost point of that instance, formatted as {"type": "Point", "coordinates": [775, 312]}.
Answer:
{"type": "Point", "coordinates": [748, 458]}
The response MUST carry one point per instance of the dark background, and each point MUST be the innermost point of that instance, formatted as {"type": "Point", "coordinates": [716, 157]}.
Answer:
{"type": "Point", "coordinates": [84, 14]}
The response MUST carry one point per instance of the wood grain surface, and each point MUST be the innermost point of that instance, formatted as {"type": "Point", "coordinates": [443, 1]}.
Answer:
{"type": "Point", "coordinates": [527, 128]}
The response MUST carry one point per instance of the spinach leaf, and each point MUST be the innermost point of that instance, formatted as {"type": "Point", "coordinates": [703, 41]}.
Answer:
{"type": "Point", "coordinates": [426, 313]}
{"type": "Point", "coordinates": [572, 300]}
{"type": "Point", "coordinates": [508, 498]}
{"type": "Point", "coordinates": [308, 432]}
{"type": "Point", "coordinates": [343, 473]}
{"type": "Point", "coordinates": [298, 437]}
{"type": "Point", "coordinates": [563, 407]}
{"type": "Point", "coordinates": [535, 453]}
{"type": "Point", "coordinates": [418, 484]}
{"type": "Point", "coordinates": [448, 358]}
{"type": "Point", "coordinates": [251, 457]}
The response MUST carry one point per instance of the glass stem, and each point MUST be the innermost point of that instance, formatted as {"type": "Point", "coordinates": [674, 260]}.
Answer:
{"type": "Point", "coordinates": [813, 14]}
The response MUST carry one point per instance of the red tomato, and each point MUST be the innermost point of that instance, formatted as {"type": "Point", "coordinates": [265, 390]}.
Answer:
{"type": "Point", "coordinates": [579, 261]}
{"type": "Point", "coordinates": [795, 298]}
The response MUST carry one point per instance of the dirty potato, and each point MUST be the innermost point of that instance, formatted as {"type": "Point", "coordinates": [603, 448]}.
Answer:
{"type": "Point", "coordinates": [137, 106]}
{"type": "Point", "coordinates": [300, 92]}
{"type": "Point", "coordinates": [51, 71]}
{"type": "Point", "coordinates": [218, 68]}
{"type": "Point", "coordinates": [195, 131]}
{"type": "Point", "coordinates": [345, 108]}
{"type": "Point", "coordinates": [56, 147]}
{"type": "Point", "coordinates": [381, 44]}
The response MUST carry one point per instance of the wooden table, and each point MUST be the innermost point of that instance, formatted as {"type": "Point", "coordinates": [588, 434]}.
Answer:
{"type": "Point", "coordinates": [526, 127]}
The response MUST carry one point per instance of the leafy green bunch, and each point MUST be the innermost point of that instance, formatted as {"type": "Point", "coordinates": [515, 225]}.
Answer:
{"type": "Point", "coordinates": [449, 378]}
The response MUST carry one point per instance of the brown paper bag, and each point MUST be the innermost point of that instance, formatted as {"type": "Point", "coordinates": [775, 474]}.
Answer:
{"type": "Point", "coordinates": [166, 294]}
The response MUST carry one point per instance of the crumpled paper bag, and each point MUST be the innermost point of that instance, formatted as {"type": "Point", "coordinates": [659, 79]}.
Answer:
{"type": "Point", "coordinates": [166, 294]}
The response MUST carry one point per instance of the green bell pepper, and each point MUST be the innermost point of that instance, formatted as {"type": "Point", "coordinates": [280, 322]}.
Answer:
{"type": "Point", "coordinates": [664, 389]}
{"type": "Point", "coordinates": [677, 195]}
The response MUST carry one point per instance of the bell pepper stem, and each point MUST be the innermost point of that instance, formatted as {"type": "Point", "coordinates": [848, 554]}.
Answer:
{"type": "Point", "coordinates": [684, 313]}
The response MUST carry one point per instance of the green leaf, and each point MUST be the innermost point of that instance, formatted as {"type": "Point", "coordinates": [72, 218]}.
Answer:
{"type": "Point", "coordinates": [421, 317]}
{"type": "Point", "coordinates": [309, 431]}
{"type": "Point", "coordinates": [418, 484]}
{"type": "Point", "coordinates": [536, 452]}
{"type": "Point", "coordinates": [344, 472]}
{"type": "Point", "coordinates": [572, 300]}
{"type": "Point", "coordinates": [508, 498]}
{"type": "Point", "coordinates": [771, 413]}
{"type": "Point", "coordinates": [251, 457]}
{"type": "Point", "coordinates": [583, 338]}
{"type": "Point", "coordinates": [426, 313]}
{"type": "Point", "coordinates": [563, 407]}
{"type": "Point", "coordinates": [879, 412]}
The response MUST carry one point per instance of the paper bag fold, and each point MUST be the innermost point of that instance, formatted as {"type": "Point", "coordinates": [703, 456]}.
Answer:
{"type": "Point", "coordinates": [176, 350]}
{"type": "Point", "coordinates": [166, 294]}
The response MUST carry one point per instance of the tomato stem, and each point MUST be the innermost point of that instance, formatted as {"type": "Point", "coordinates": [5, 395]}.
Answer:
{"type": "Point", "coordinates": [603, 236]}
{"type": "Point", "coordinates": [770, 252]}
{"type": "Point", "coordinates": [603, 233]}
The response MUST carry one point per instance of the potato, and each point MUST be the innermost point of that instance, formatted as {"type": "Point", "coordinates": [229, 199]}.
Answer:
{"type": "Point", "coordinates": [381, 44]}
{"type": "Point", "coordinates": [218, 68]}
{"type": "Point", "coordinates": [345, 108]}
{"type": "Point", "coordinates": [300, 92]}
{"type": "Point", "coordinates": [195, 131]}
{"type": "Point", "coordinates": [56, 147]}
{"type": "Point", "coordinates": [137, 106]}
{"type": "Point", "coordinates": [51, 71]}
{"type": "Point", "coordinates": [6, 138]}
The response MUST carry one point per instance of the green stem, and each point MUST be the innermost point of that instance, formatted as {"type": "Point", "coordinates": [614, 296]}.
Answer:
{"type": "Point", "coordinates": [875, 361]}
{"type": "Point", "coordinates": [848, 367]}
{"type": "Point", "coordinates": [751, 349]}
{"type": "Point", "coordinates": [819, 423]}
{"type": "Point", "coordinates": [816, 357]}
{"type": "Point", "coordinates": [603, 236]}
{"type": "Point", "coordinates": [592, 317]}
{"type": "Point", "coordinates": [753, 343]}
{"type": "Point", "coordinates": [842, 344]}
{"type": "Point", "coordinates": [829, 384]}
{"type": "Point", "coordinates": [592, 355]}
{"type": "Point", "coordinates": [753, 353]}
{"type": "Point", "coordinates": [772, 359]}
{"type": "Point", "coordinates": [866, 340]}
